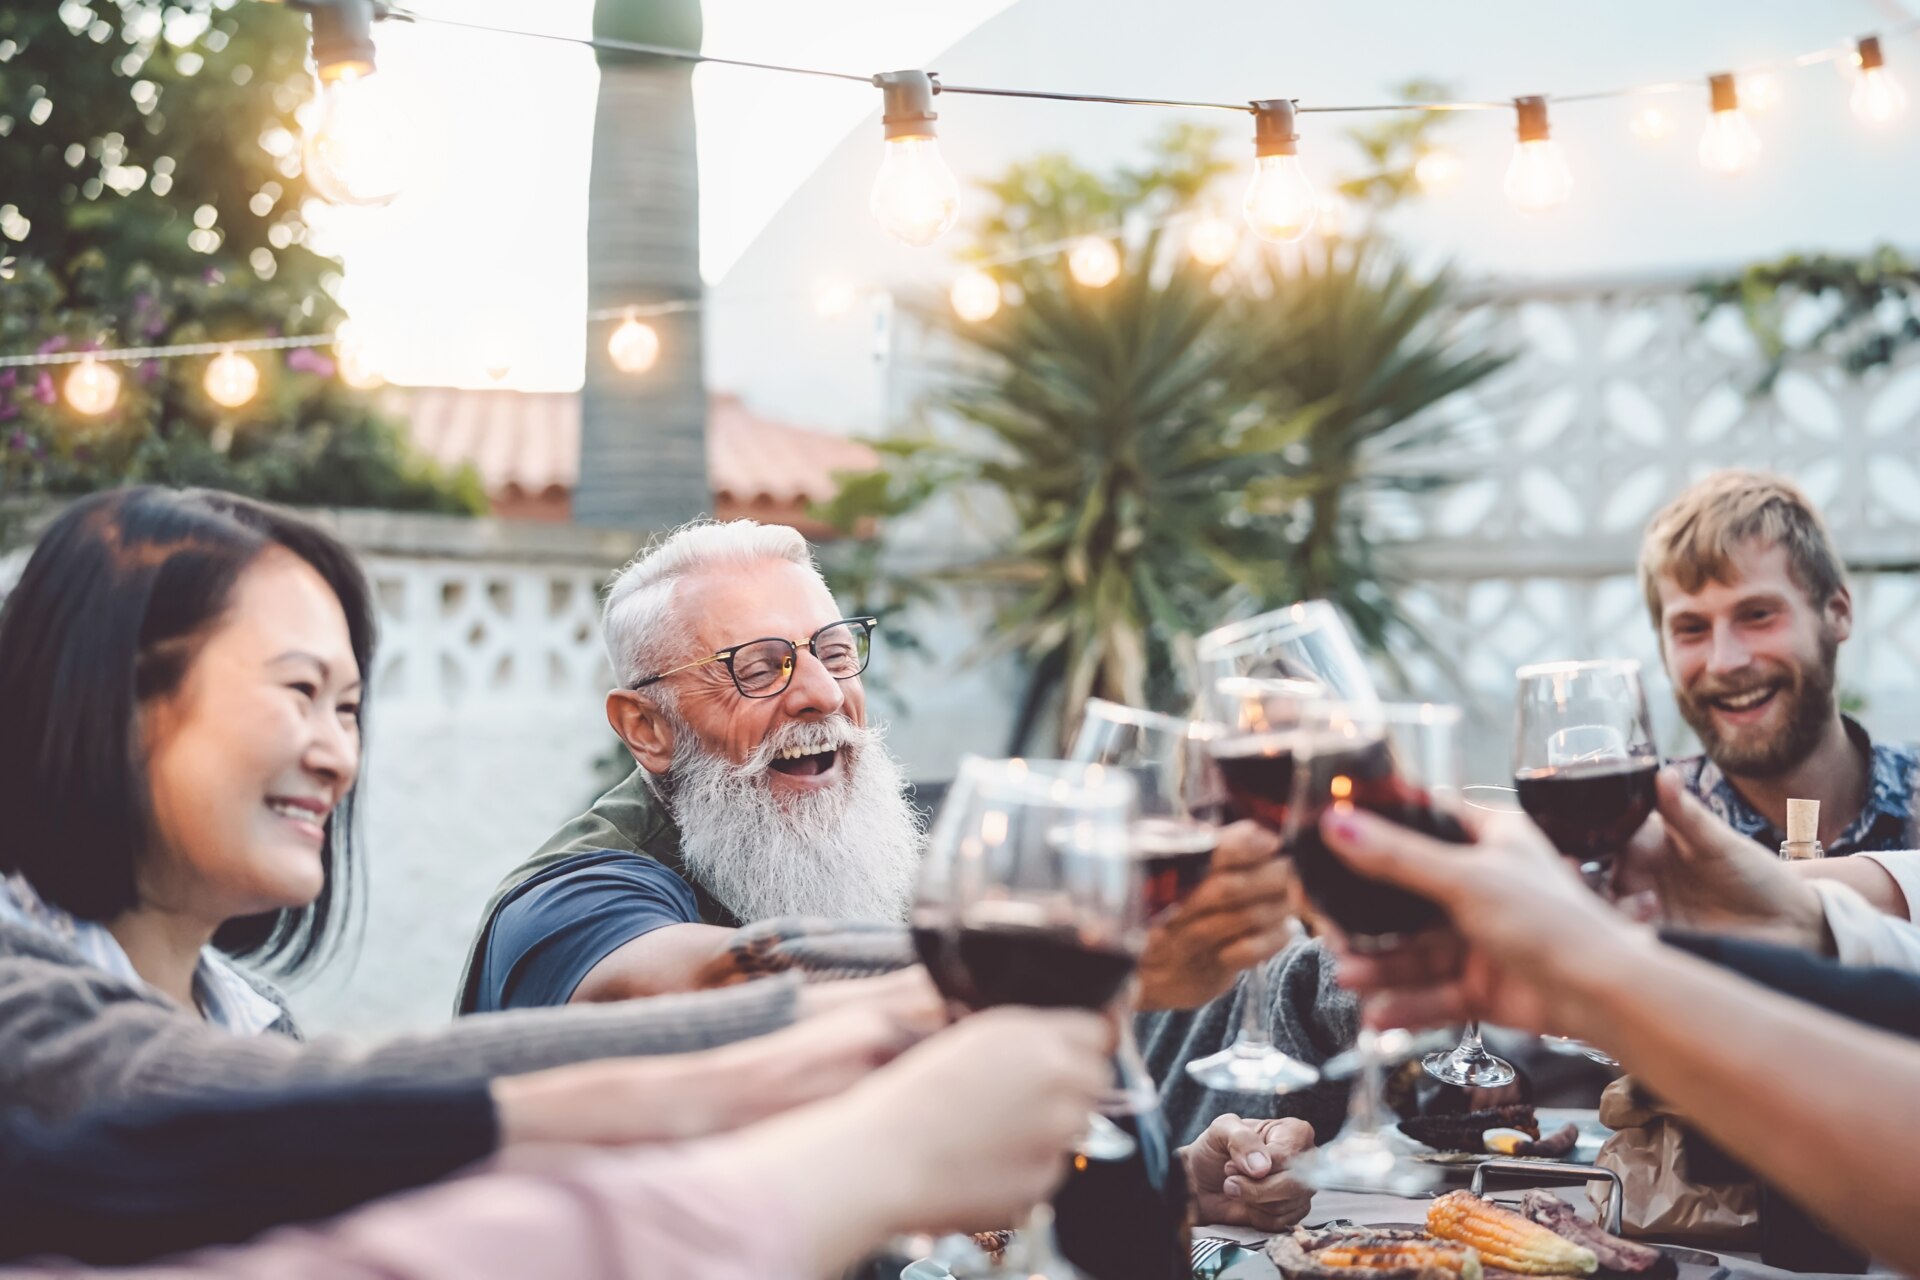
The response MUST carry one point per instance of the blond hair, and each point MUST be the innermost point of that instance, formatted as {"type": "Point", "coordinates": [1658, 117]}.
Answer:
{"type": "Point", "coordinates": [1694, 537]}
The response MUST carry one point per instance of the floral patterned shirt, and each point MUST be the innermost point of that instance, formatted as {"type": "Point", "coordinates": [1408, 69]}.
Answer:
{"type": "Point", "coordinates": [1885, 822]}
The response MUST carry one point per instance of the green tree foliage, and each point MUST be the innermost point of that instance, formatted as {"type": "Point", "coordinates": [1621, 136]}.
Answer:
{"type": "Point", "coordinates": [151, 193]}
{"type": "Point", "coordinates": [1865, 309]}
{"type": "Point", "coordinates": [1180, 445]}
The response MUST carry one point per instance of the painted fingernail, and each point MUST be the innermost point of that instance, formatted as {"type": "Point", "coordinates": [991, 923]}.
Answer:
{"type": "Point", "coordinates": [1344, 823]}
{"type": "Point", "coordinates": [1258, 1164]}
{"type": "Point", "coordinates": [1232, 1187]}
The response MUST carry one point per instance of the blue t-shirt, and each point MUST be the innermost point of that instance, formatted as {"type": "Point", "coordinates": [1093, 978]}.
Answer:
{"type": "Point", "coordinates": [552, 930]}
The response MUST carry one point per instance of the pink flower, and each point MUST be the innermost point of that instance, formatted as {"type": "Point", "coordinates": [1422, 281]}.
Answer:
{"type": "Point", "coordinates": [56, 343]}
{"type": "Point", "coordinates": [310, 360]}
{"type": "Point", "coordinates": [43, 388]}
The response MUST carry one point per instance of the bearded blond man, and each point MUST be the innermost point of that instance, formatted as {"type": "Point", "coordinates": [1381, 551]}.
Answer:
{"type": "Point", "coordinates": [1750, 600]}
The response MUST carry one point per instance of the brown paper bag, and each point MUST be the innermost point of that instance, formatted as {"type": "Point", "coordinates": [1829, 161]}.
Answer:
{"type": "Point", "coordinates": [1677, 1185]}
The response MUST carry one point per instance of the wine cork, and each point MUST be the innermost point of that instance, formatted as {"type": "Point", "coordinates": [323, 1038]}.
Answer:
{"type": "Point", "coordinates": [1803, 821]}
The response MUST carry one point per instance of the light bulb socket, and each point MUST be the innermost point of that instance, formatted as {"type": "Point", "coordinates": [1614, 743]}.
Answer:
{"type": "Point", "coordinates": [1273, 133]}
{"type": "Point", "coordinates": [907, 103]}
{"type": "Point", "coordinates": [1724, 90]}
{"type": "Point", "coordinates": [342, 35]}
{"type": "Point", "coordinates": [1531, 118]}
{"type": "Point", "coordinates": [1871, 58]}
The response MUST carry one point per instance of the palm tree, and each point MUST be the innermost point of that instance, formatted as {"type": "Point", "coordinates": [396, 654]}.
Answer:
{"type": "Point", "coordinates": [643, 455]}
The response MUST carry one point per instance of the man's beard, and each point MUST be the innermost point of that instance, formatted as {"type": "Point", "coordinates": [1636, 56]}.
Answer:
{"type": "Point", "coordinates": [846, 852]}
{"type": "Point", "coordinates": [1806, 693]}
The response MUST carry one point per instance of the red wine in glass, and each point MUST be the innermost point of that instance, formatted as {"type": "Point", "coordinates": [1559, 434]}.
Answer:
{"type": "Point", "coordinates": [1592, 808]}
{"type": "Point", "coordinates": [1343, 772]}
{"type": "Point", "coordinates": [1013, 958]}
{"type": "Point", "coordinates": [933, 941]}
{"type": "Point", "coordinates": [1173, 855]}
{"type": "Point", "coordinates": [1258, 773]}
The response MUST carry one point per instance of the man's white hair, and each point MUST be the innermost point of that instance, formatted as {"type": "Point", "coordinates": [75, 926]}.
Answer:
{"type": "Point", "coordinates": [642, 632]}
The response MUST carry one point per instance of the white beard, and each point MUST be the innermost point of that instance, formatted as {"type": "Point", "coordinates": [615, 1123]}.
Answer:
{"type": "Point", "coordinates": [850, 852]}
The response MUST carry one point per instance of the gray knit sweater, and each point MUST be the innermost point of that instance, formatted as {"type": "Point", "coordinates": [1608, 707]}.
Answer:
{"type": "Point", "coordinates": [71, 1036]}
{"type": "Point", "coordinates": [1307, 1015]}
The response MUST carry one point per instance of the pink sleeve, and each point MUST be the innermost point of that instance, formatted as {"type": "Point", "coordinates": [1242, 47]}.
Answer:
{"type": "Point", "coordinates": [661, 1214]}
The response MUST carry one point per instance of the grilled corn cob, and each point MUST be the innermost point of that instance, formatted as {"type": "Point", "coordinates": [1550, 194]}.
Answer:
{"type": "Point", "coordinates": [1403, 1254]}
{"type": "Point", "coordinates": [1506, 1240]}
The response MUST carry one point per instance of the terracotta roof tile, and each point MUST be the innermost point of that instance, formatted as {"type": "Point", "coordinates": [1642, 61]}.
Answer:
{"type": "Point", "coordinates": [528, 443]}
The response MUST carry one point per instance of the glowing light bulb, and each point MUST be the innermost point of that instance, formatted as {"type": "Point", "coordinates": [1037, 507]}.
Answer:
{"type": "Point", "coordinates": [975, 296]}
{"type": "Point", "coordinates": [1280, 204]}
{"type": "Point", "coordinates": [1438, 170]}
{"type": "Point", "coordinates": [355, 358]}
{"type": "Point", "coordinates": [1538, 179]}
{"type": "Point", "coordinates": [1729, 145]}
{"type": "Point", "coordinates": [1760, 92]}
{"type": "Point", "coordinates": [1651, 124]}
{"type": "Point", "coordinates": [915, 198]}
{"type": "Point", "coordinates": [1094, 262]}
{"type": "Point", "coordinates": [232, 379]}
{"type": "Point", "coordinates": [361, 147]}
{"type": "Point", "coordinates": [92, 388]}
{"type": "Point", "coordinates": [832, 299]}
{"type": "Point", "coordinates": [1878, 96]}
{"type": "Point", "coordinates": [634, 346]}
{"type": "Point", "coordinates": [1212, 240]}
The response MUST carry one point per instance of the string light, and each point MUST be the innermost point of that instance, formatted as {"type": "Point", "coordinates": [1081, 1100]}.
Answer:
{"type": "Point", "coordinates": [1094, 262]}
{"type": "Point", "coordinates": [1729, 145]}
{"type": "Point", "coordinates": [358, 147]}
{"type": "Point", "coordinates": [832, 299]}
{"type": "Point", "coordinates": [1878, 96]}
{"type": "Point", "coordinates": [915, 198]}
{"type": "Point", "coordinates": [1538, 179]}
{"type": "Point", "coordinates": [1212, 240]}
{"type": "Point", "coordinates": [1438, 170]}
{"type": "Point", "coordinates": [92, 388]}
{"type": "Point", "coordinates": [232, 379]}
{"type": "Point", "coordinates": [1651, 123]}
{"type": "Point", "coordinates": [1280, 204]}
{"type": "Point", "coordinates": [634, 346]}
{"type": "Point", "coordinates": [975, 296]}
{"type": "Point", "coordinates": [1760, 92]}
{"type": "Point", "coordinates": [355, 358]}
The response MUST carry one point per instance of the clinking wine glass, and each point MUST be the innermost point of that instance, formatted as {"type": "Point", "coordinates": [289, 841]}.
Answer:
{"type": "Point", "coordinates": [1401, 762]}
{"type": "Point", "coordinates": [1305, 641]}
{"type": "Point", "coordinates": [1251, 748]}
{"type": "Point", "coordinates": [1468, 1065]}
{"type": "Point", "coordinates": [1180, 802]}
{"type": "Point", "coordinates": [1028, 897]}
{"type": "Point", "coordinates": [1584, 763]}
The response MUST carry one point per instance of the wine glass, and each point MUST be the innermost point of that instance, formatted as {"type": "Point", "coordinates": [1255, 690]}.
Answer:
{"type": "Point", "coordinates": [1584, 764]}
{"type": "Point", "coordinates": [1468, 1065]}
{"type": "Point", "coordinates": [1047, 910]}
{"type": "Point", "coordinates": [1027, 896]}
{"type": "Point", "coordinates": [1180, 801]}
{"type": "Point", "coordinates": [1302, 641]}
{"type": "Point", "coordinates": [1402, 762]}
{"type": "Point", "coordinates": [1251, 750]}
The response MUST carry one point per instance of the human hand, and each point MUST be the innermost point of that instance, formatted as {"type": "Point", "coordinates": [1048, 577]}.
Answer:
{"type": "Point", "coordinates": [1526, 933]}
{"type": "Point", "coordinates": [975, 1123]}
{"type": "Point", "coordinates": [1237, 1173]}
{"type": "Point", "coordinates": [1236, 919]}
{"type": "Point", "coordinates": [1708, 876]}
{"type": "Point", "coordinates": [907, 995]}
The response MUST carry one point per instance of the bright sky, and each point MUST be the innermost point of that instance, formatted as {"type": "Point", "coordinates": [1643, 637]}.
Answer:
{"type": "Point", "coordinates": [481, 261]}
{"type": "Point", "coordinates": [482, 257]}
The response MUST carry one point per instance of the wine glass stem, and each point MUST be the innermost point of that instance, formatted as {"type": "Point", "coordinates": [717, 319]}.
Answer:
{"type": "Point", "coordinates": [1470, 1046]}
{"type": "Point", "coordinates": [1363, 1109]}
{"type": "Point", "coordinates": [1253, 1009]}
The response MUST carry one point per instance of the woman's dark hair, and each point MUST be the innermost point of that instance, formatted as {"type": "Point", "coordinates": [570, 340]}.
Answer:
{"type": "Point", "coordinates": [113, 606]}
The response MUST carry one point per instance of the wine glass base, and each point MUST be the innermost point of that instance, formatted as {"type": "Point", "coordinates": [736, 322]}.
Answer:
{"type": "Point", "coordinates": [1467, 1069]}
{"type": "Point", "coordinates": [1102, 1139]}
{"type": "Point", "coordinates": [1363, 1162]}
{"type": "Point", "coordinates": [1572, 1048]}
{"type": "Point", "coordinates": [1252, 1069]}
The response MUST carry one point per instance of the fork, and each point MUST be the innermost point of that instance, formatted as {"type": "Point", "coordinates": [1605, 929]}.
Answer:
{"type": "Point", "coordinates": [1207, 1248]}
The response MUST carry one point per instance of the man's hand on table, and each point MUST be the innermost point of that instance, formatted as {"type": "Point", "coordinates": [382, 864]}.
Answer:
{"type": "Point", "coordinates": [1708, 876]}
{"type": "Point", "coordinates": [1237, 1173]}
{"type": "Point", "coordinates": [1236, 919]}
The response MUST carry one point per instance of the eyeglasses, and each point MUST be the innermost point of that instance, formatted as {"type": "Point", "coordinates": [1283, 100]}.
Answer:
{"type": "Point", "coordinates": [764, 668]}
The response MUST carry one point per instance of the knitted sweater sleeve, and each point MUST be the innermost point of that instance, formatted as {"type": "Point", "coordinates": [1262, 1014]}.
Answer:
{"type": "Point", "coordinates": [71, 1037]}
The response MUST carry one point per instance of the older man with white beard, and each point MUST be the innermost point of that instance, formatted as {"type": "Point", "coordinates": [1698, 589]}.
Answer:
{"type": "Point", "coordinates": [759, 790]}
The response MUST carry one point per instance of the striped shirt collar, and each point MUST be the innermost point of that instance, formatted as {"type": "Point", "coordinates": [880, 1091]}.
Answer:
{"type": "Point", "coordinates": [226, 999]}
